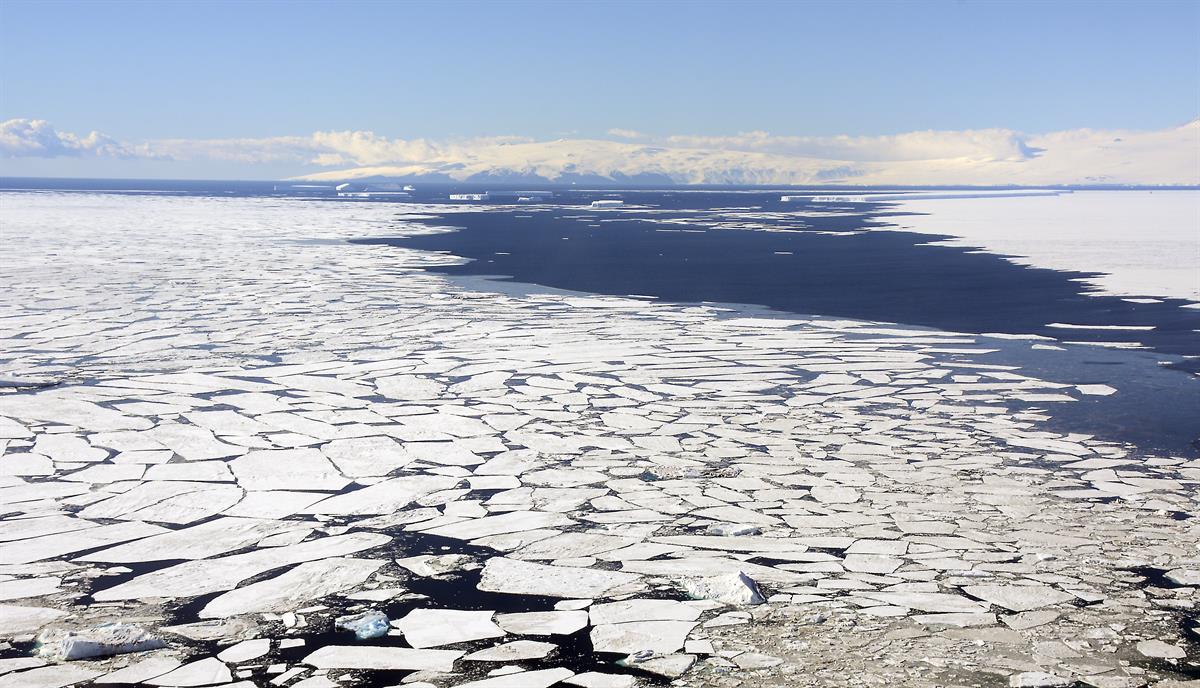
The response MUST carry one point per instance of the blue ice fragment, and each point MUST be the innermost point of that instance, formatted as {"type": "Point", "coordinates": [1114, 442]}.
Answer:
{"type": "Point", "coordinates": [366, 625]}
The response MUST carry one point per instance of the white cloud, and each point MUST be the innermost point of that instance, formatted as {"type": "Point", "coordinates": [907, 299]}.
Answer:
{"type": "Point", "coordinates": [38, 138]}
{"type": "Point", "coordinates": [988, 156]}
{"type": "Point", "coordinates": [626, 133]}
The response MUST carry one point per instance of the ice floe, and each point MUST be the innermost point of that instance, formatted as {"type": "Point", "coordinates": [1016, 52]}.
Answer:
{"type": "Point", "coordinates": [697, 493]}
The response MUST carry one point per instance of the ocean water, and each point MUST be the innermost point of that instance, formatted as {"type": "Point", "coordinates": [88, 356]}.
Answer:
{"type": "Point", "coordinates": [830, 267]}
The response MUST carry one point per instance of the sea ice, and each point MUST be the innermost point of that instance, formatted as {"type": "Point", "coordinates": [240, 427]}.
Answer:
{"type": "Point", "coordinates": [204, 672]}
{"type": "Point", "coordinates": [433, 627]}
{"type": "Point", "coordinates": [513, 652]}
{"type": "Point", "coordinates": [656, 636]}
{"type": "Point", "coordinates": [245, 651]}
{"type": "Point", "coordinates": [543, 623]}
{"type": "Point", "coordinates": [501, 574]}
{"type": "Point", "coordinates": [542, 678]}
{"type": "Point", "coordinates": [287, 591]}
{"type": "Point", "coordinates": [287, 469]}
{"type": "Point", "coordinates": [382, 658]}
{"type": "Point", "coordinates": [1018, 598]}
{"type": "Point", "coordinates": [100, 641]}
{"type": "Point", "coordinates": [737, 588]}
{"type": "Point", "coordinates": [15, 619]}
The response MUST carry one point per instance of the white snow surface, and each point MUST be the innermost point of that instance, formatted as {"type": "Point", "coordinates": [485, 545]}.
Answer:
{"type": "Point", "coordinates": [1145, 243]}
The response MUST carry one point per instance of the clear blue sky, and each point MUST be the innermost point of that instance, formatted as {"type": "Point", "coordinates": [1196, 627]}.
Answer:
{"type": "Point", "coordinates": [223, 69]}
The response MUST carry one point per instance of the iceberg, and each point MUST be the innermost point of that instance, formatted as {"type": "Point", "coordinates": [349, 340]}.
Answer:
{"type": "Point", "coordinates": [366, 625]}
{"type": "Point", "coordinates": [101, 641]}
{"type": "Point", "coordinates": [737, 588]}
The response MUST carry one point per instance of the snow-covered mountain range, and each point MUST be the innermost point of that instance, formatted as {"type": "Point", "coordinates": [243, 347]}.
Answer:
{"type": "Point", "coordinates": [970, 157]}
{"type": "Point", "coordinates": [988, 157]}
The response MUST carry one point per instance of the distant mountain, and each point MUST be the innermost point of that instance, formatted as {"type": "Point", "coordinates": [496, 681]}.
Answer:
{"type": "Point", "coordinates": [1081, 156]}
{"type": "Point", "coordinates": [982, 157]}
{"type": "Point", "coordinates": [583, 161]}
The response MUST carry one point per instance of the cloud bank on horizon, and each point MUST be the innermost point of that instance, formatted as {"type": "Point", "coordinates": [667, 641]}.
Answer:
{"type": "Point", "coordinates": [970, 157]}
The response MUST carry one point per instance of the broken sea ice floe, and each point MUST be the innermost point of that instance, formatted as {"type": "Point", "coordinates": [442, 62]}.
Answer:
{"type": "Point", "coordinates": [1038, 679]}
{"type": "Point", "coordinates": [512, 652]}
{"type": "Point", "coordinates": [424, 628]}
{"type": "Point", "coordinates": [656, 636]}
{"type": "Point", "coordinates": [225, 630]}
{"type": "Point", "coordinates": [435, 565]}
{"type": "Point", "coordinates": [894, 403]}
{"type": "Point", "coordinates": [203, 672]}
{"type": "Point", "coordinates": [245, 651]}
{"type": "Point", "coordinates": [143, 670]}
{"type": "Point", "coordinates": [733, 529]}
{"type": "Point", "coordinates": [365, 626]}
{"type": "Point", "coordinates": [101, 641]}
{"type": "Point", "coordinates": [1018, 598]}
{"type": "Point", "coordinates": [737, 588]}
{"type": "Point", "coordinates": [543, 623]}
{"type": "Point", "coordinates": [376, 658]}
{"type": "Point", "coordinates": [671, 665]}
{"type": "Point", "coordinates": [310, 580]}
{"type": "Point", "coordinates": [501, 574]}
{"type": "Point", "coordinates": [18, 381]}
{"type": "Point", "coordinates": [1184, 577]}
{"type": "Point", "coordinates": [1159, 650]}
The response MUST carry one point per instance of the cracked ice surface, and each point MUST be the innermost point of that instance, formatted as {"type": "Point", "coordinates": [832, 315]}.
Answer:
{"type": "Point", "coordinates": [259, 429]}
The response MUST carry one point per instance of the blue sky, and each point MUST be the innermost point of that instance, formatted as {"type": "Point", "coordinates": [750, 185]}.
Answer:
{"type": "Point", "coordinates": [139, 71]}
{"type": "Point", "coordinates": [219, 69]}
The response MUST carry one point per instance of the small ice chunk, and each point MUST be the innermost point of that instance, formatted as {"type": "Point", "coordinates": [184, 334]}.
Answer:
{"type": "Point", "coordinates": [365, 626]}
{"type": "Point", "coordinates": [732, 589]}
